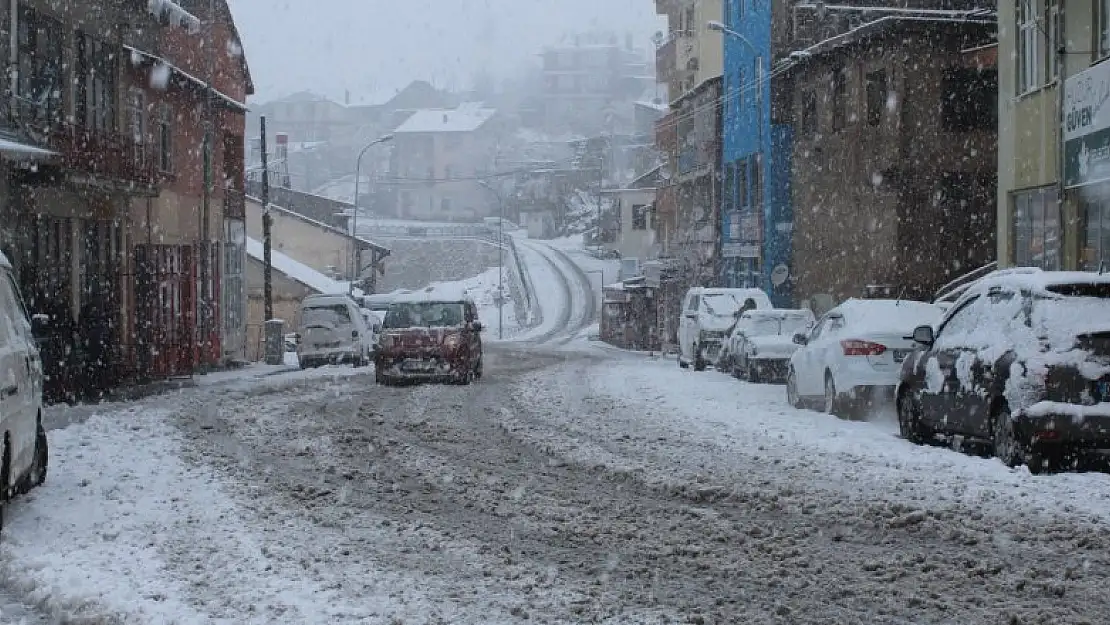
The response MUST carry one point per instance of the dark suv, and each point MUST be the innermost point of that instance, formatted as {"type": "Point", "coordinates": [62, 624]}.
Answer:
{"type": "Point", "coordinates": [1020, 363]}
{"type": "Point", "coordinates": [430, 338]}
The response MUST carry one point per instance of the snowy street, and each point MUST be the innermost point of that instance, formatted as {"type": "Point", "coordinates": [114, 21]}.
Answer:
{"type": "Point", "coordinates": [570, 485]}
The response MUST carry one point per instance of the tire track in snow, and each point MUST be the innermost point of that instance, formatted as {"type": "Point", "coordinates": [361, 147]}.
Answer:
{"type": "Point", "coordinates": [563, 321]}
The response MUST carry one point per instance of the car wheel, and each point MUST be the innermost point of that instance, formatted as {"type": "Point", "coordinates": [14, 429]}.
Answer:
{"type": "Point", "coordinates": [792, 396]}
{"type": "Point", "coordinates": [909, 418]}
{"type": "Point", "coordinates": [682, 364]}
{"type": "Point", "coordinates": [1006, 447]}
{"type": "Point", "coordinates": [699, 360]}
{"type": "Point", "coordinates": [42, 458]}
{"type": "Point", "coordinates": [478, 369]}
{"type": "Point", "coordinates": [832, 400]}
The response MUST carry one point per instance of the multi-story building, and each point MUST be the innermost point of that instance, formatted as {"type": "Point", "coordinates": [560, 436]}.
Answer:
{"type": "Point", "coordinates": [588, 82]}
{"type": "Point", "coordinates": [118, 229]}
{"type": "Point", "coordinates": [441, 162]}
{"type": "Point", "coordinates": [691, 52]}
{"type": "Point", "coordinates": [893, 157]}
{"type": "Point", "coordinates": [1053, 167]}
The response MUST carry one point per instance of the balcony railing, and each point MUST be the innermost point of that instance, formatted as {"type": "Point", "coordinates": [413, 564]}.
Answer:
{"type": "Point", "coordinates": [666, 60]}
{"type": "Point", "coordinates": [100, 153]}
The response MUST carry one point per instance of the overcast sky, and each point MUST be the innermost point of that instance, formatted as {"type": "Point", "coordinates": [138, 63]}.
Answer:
{"type": "Point", "coordinates": [374, 47]}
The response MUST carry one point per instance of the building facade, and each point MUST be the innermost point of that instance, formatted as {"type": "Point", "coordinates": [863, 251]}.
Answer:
{"type": "Point", "coordinates": [1053, 169]}
{"type": "Point", "coordinates": [894, 161]}
{"type": "Point", "coordinates": [112, 232]}
{"type": "Point", "coordinates": [440, 165]}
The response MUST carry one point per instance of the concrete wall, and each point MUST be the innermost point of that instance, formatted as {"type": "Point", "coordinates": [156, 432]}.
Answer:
{"type": "Point", "coordinates": [302, 240]}
{"type": "Point", "coordinates": [415, 263]}
{"type": "Point", "coordinates": [634, 243]}
{"type": "Point", "coordinates": [287, 296]}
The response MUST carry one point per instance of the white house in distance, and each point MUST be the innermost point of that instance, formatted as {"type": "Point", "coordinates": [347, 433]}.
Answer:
{"type": "Point", "coordinates": [635, 206]}
{"type": "Point", "coordinates": [440, 161]}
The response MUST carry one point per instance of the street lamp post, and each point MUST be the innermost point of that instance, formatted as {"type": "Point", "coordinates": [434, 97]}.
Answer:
{"type": "Point", "coordinates": [355, 260]}
{"type": "Point", "coordinates": [500, 258]}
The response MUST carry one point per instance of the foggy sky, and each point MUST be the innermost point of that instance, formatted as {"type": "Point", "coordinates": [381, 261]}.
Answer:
{"type": "Point", "coordinates": [375, 47]}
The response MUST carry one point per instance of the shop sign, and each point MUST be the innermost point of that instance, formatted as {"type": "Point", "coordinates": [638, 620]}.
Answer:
{"type": "Point", "coordinates": [1087, 127]}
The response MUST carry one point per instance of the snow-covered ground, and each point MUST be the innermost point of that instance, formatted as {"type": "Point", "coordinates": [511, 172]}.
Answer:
{"type": "Point", "coordinates": [483, 289]}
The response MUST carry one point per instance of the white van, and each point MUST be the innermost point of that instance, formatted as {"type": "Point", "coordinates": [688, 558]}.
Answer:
{"type": "Point", "coordinates": [24, 459]}
{"type": "Point", "coordinates": [333, 329]}
{"type": "Point", "coordinates": [707, 316]}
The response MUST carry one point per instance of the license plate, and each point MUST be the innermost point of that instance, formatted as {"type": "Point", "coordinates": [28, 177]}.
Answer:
{"type": "Point", "coordinates": [900, 355]}
{"type": "Point", "coordinates": [418, 365]}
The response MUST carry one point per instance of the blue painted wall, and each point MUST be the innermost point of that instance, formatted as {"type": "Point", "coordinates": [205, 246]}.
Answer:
{"type": "Point", "coordinates": [778, 227]}
{"type": "Point", "coordinates": [753, 191]}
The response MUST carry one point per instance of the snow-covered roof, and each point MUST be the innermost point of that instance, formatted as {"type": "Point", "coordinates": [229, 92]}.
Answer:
{"type": "Point", "coordinates": [442, 292]}
{"type": "Point", "coordinates": [138, 55]}
{"type": "Point", "coordinates": [1035, 279]}
{"type": "Point", "coordinates": [465, 118]}
{"type": "Point", "coordinates": [296, 270]}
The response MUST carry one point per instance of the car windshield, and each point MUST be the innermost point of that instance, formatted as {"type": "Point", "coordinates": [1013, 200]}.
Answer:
{"type": "Point", "coordinates": [326, 314]}
{"type": "Point", "coordinates": [723, 304]}
{"type": "Point", "coordinates": [425, 315]}
{"type": "Point", "coordinates": [772, 325]}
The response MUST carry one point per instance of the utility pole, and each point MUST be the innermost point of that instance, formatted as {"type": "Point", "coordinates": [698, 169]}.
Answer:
{"type": "Point", "coordinates": [267, 224]}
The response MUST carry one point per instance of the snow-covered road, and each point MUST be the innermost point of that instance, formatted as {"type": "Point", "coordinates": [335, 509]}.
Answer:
{"type": "Point", "coordinates": [568, 486]}
{"type": "Point", "coordinates": [566, 297]}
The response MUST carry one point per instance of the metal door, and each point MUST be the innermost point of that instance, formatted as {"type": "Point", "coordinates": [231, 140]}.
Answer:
{"type": "Point", "coordinates": [164, 293]}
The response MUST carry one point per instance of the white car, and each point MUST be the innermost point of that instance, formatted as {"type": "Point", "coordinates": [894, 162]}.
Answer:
{"type": "Point", "coordinates": [707, 315]}
{"type": "Point", "coordinates": [762, 343]}
{"type": "Point", "coordinates": [333, 329]}
{"type": "Point", "coordinates": [855, 352]}
{"type": "Point", "coordinates": [24, 459]}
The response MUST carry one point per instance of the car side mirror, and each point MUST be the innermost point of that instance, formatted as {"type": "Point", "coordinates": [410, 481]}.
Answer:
{"type": "Point", "coordinates": [800, 339]}
{"type": "Point", "coordinates": [923, 335]}
{"type": "Point", "coordinates": [477, 325]}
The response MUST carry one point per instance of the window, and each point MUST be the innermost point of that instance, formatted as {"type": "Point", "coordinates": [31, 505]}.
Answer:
{"type": "Point", "coordinates": [729, 196]}
{"type": "Point", "coordinates": [840, 101]}
{"type": "Point", "coordinates": [1095, 255]}
{"type": "Point", "coordinates": [165, 138]}
{"type": "Point", "coordinates": [961, 323]}
{"type": "Point", "coordinates": [1052, 26]}
{"type": "Point", "coordinates": [136, 123]}
{"type": "Point", "coordinates": [757, 181]}
{"type": "Point", "coordinates": [40, 65]}
{"type": "Point", "coordinates": [640, 216]}
{"type": "Point", "coordinates": [1036, 233]}
{"type": "Point", "coordinates": [969, 99]}
{"type": "Point", "coordinates": [96, 84]}
{"type": "Point", "coordinates": [876, 96]}
{"type": "Point", "coordinates": [809, 113]}
{"type": "Point", "coordinates": [1104, 27]}
{"type": "Point", "coordinates": [1028, 50]}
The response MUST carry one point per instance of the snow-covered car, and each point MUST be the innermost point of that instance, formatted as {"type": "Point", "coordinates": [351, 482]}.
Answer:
{"type": "Point", "coordinates": [377, 302]}
{"type": "Point", "coordinates": [707, 316]}
{"type": "Point", "coordinates": [1021, 363]}
{"type": "Point", "coordinates": [853, 354]}
{"type": "Point", "coordinates": [333, 330]}
{"type": "Point", "coordinates": [762, 343]}
{"type": "Point", "coordinates": [430, 336]}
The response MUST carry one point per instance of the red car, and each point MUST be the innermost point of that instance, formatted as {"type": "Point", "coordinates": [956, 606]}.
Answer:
{"type": "Point", "coordinates": [426, 337]}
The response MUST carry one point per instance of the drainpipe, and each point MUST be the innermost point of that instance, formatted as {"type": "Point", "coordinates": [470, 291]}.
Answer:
{"type": "Point", "coordinates": [1061, 44]}
{"type": "Point", "coordinates": [13, 55]}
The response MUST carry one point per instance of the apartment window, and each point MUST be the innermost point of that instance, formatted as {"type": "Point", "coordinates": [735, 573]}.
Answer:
{"type": "Point", "coordinates": [840, 101]}
{"type": "Point", "coordinates": [165, 138]}
{"type": "Point", "coordinates": [95, 80]}
{"type": "Point", "coordinates": [40, 65]}
{"type": "Point", "coordinates": [728, 200]}
{"type": "Point", "coordinates": [136, 123]}
{"type": "Point", "coordinates": [1037, 228]}
{"type": "Point", "coordinates": [1104, 27]}
{"type": "Point", "coordinates": [969, 99]}
{"type": "Point", "coordinates": [876, 96]}
{"type": "Point", "coordinates": [809, 113]}
{"type": "Point", "coordinates": [640, 216]}
{"type": "Point", "coordinates": [1028, 50]}
{"type": "Point", "coordinates": [1095, 211]}
{"type": "Point", "coordinates": [1052, 26]}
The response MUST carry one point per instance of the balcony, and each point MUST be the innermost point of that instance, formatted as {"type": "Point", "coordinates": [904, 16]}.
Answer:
{"type": "Point", "coordinates": [105, 155]}
{"type": "Point", "coordinates": [666, 60]}
{"type": "Point", "coordinates": [235, 204]}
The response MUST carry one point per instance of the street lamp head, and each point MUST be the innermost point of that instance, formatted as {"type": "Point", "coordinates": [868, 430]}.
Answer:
{"type": "Point", "coordinates": [715, 25]}
{"type": "Point", "coordinates": [384, 139]}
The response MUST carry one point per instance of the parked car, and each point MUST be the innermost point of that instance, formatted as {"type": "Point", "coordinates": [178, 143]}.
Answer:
{"type": "Point", "coordinates": [1021, 363]}
{"type": "Point", "coordinates": [430, 336]}
{"type": "Point", "coordinates": [377, 302]}
{"type": "Point", "coordinates": [853, 354]}
{"type": "Point", "coordinates": [333, 330]}
{"type": "Point", "coordinates": [25, 455]}
{"type": "Point", "coordinates": [762, 343]}
{"type": "Point", "coordinates": [707, 315]}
